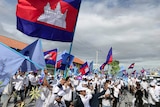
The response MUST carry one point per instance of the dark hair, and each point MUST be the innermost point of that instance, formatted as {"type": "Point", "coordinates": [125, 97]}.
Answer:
{"type": "Point", "coordinates": [67, 78]}
{"type": "Point", "coordinates": [138, 96]}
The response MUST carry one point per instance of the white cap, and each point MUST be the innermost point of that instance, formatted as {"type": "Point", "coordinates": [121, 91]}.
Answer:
{"type": "Point", "coordinates": [61, 93]}
{"type": "Point", "coordinates": [56, 89]}
{"type": "Point", "coordinates": [152, 84]}
{"type": "Point", "coordinates": [158, 83]}
{"type": "Point", "coordinates": [80, 88]}
{"type": "Point", "coordinates": [143, 78]}
{"type": "Point", "coordinates": [39, 76]}
{"type": "Point", "coordinates": [138, 80]}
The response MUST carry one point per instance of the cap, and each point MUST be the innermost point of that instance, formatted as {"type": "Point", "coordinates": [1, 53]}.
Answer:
{"type": "Point", "coordinates": [61, 93]}
{"type": "Point", "coordinates": [152, 84]}
{"type": "Point", "coordinates": [80, 88]}
{"type": "Point", "coordinates": [158, 83]}
{"type": "Point", "coordinates": [56, 89]}
{"type": "Point", "coordinates": [143, 79]}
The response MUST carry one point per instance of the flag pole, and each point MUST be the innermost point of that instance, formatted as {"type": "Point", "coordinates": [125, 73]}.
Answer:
{"type": "Point", "coordinates": [65, 71]}
{"type": "Point", "coordinates": [55, 67]}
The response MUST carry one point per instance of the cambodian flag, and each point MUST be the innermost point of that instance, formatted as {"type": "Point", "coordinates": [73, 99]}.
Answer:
{"type": "Point", "coordinates": [84, 68]}
{"type": "Point", "coordinates": [48, 19]}
{"type": "Point", "coordinates": [131, 66]}
{"type": "Point", "coordinates": [109, 58]}
{"type": "Point", "coordinates": [102, 66]}
{"type": "Point", "coordinates": [143, 70]}
{"type": "Point", "coordinates": [50, 56]}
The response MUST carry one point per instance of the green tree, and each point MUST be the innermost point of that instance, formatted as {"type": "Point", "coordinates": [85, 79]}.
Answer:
{"type": "Point", "coordinates": [114, 67]}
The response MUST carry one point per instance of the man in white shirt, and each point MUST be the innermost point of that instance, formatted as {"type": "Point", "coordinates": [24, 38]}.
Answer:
{"type": "Point", "coordinates": [20, 86]}
{"type": "Point", "coordinates": [152, 98]}
{"type": "Point", "coordinates": [157, 91]}
{"type": "Point", "coordinates": [145, 86]}
{"type": "Point", "coordinates": [83, 98]}
{"type": "Point", "coordinates": [106, 101]}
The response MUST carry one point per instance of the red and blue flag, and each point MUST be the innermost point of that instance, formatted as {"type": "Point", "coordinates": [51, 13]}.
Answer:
{"type": "Point", "coordinates": [143, 70]}
{"type": "Point", "coordinates": [102, 66]}
{"type": "Point", "coordinates": [84, 68]}
{"type": "Point", "coordinates": [109, 58]}
{"type": "Point", "coordinates": [48, 19]}
{"type": "Point", "coordinates": [131, 66]}
{"type": "Point", "coordinates": [50, 56]}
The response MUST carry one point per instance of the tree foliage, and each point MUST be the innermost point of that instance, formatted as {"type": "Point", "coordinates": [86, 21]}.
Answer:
{"type": "Point", "coordinates": [114, 67]}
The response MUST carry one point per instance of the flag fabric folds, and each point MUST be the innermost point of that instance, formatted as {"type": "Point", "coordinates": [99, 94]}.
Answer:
{"type": "Point", "coordinates": [59, 60]}
{"type": "Point", "coordinates": [50, 56]}
{"type": "Point", "coordinates": [143, 70]}
{"type": "Point", "coordinates": [84, 68]}
{"type": "Point", "coordinates": [48, 19]}
{"type": "Point", "coordinates": [67, 59]}
{"type": "Point", "coordinates": [134, 72]}
{"type": "Point", "coordinates": [131, 66]}
{"type": "Point", "coordinates": [91, 66]}
{"type": "Point", "coordinates": [10, 62]}
{"type": "Point", "coordinates": [64, 59]}
{"type": "Point", "coordinates": [34, 53]}
{"type": "Point", "coordinates": [102, 66]}
{"type": "Point", "coordinates": [109, 58]}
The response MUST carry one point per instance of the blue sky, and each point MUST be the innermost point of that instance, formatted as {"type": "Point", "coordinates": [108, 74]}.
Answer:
{"type": "Point", "coordinates": [130, 27]}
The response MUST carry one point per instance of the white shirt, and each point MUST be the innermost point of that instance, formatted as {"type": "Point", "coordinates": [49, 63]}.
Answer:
{"type": "Point", "coordinates": [62, 104]}
{"type": "Point", "coordinates": [19, 83]}
{"type": "Point", "coordinates": [34, 80]}
{"type": "Point", "coordinates": [144, 85]}
{"type": "Point", "coordinates": [106, 102]}
{"type": "Point", "coordinates": [152, 99]}
{"type": "Point", "coordinates": [86, 99]}
{"type": "Point", "coordinates": [75, 82]}
{"type": "Point", "coordinates": [130, 81]}
{"type": "Point", "coordinates": [116, 92]}
{"type": "Point", "coordinates": [157, 91]}
{"type": "Point", "coordinates": [68, 95]}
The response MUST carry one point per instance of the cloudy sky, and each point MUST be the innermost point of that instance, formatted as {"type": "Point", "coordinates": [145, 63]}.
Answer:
{"type": "Point", "coordinates": [130, 27]}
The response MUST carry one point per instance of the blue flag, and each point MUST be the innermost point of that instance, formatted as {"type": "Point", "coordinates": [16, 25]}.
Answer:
{"type": "Point", "coordinates": [34, 53]}
{"type": "Point", "coordinates": [91, 66]}
{"type": "Point", "coordinates": [10, 61]}
{"type": "Point", "coordinates": [67, 59]}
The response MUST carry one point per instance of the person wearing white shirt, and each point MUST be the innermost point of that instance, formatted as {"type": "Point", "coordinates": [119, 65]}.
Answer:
{"type": "Point", "coordinates": [34, 80]}
{"type": "Point", "coordinates": [152, 98]}
{"type": "Point", "coordinates": [26, 80]}
{"type": "Point", "coordinates": [59, 102]}
{"type": "Point", "coordinates": [116, 92]}
{"type": "Point", "coordinates": [42, 101]}
{"type": "Point", "coordinates": [130, 84]}
{"type": "Point", "coordinates": [106, 101]}
{"type": "Point", "coordinates": [20, 86]}
{"type": "Point", "coordinates": [68, 92]}
{"type": "Point", "coordinates": [138, 101]}
{"type": "Point", "coordinates": [157, 91]}
{"type": "Point", "coordinates": [145, 85]}
{"type": "Point", "coordinates": [83, 98]}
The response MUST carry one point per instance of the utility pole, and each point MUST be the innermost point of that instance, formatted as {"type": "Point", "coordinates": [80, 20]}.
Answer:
{"type": "Point", "coordinates": [96, 59]}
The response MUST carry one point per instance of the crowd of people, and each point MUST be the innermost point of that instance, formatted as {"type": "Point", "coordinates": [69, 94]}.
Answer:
{"type": "Point", "coordinates": [147, 93]}
{"type": "Point", "coordinates": [89, 91]}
